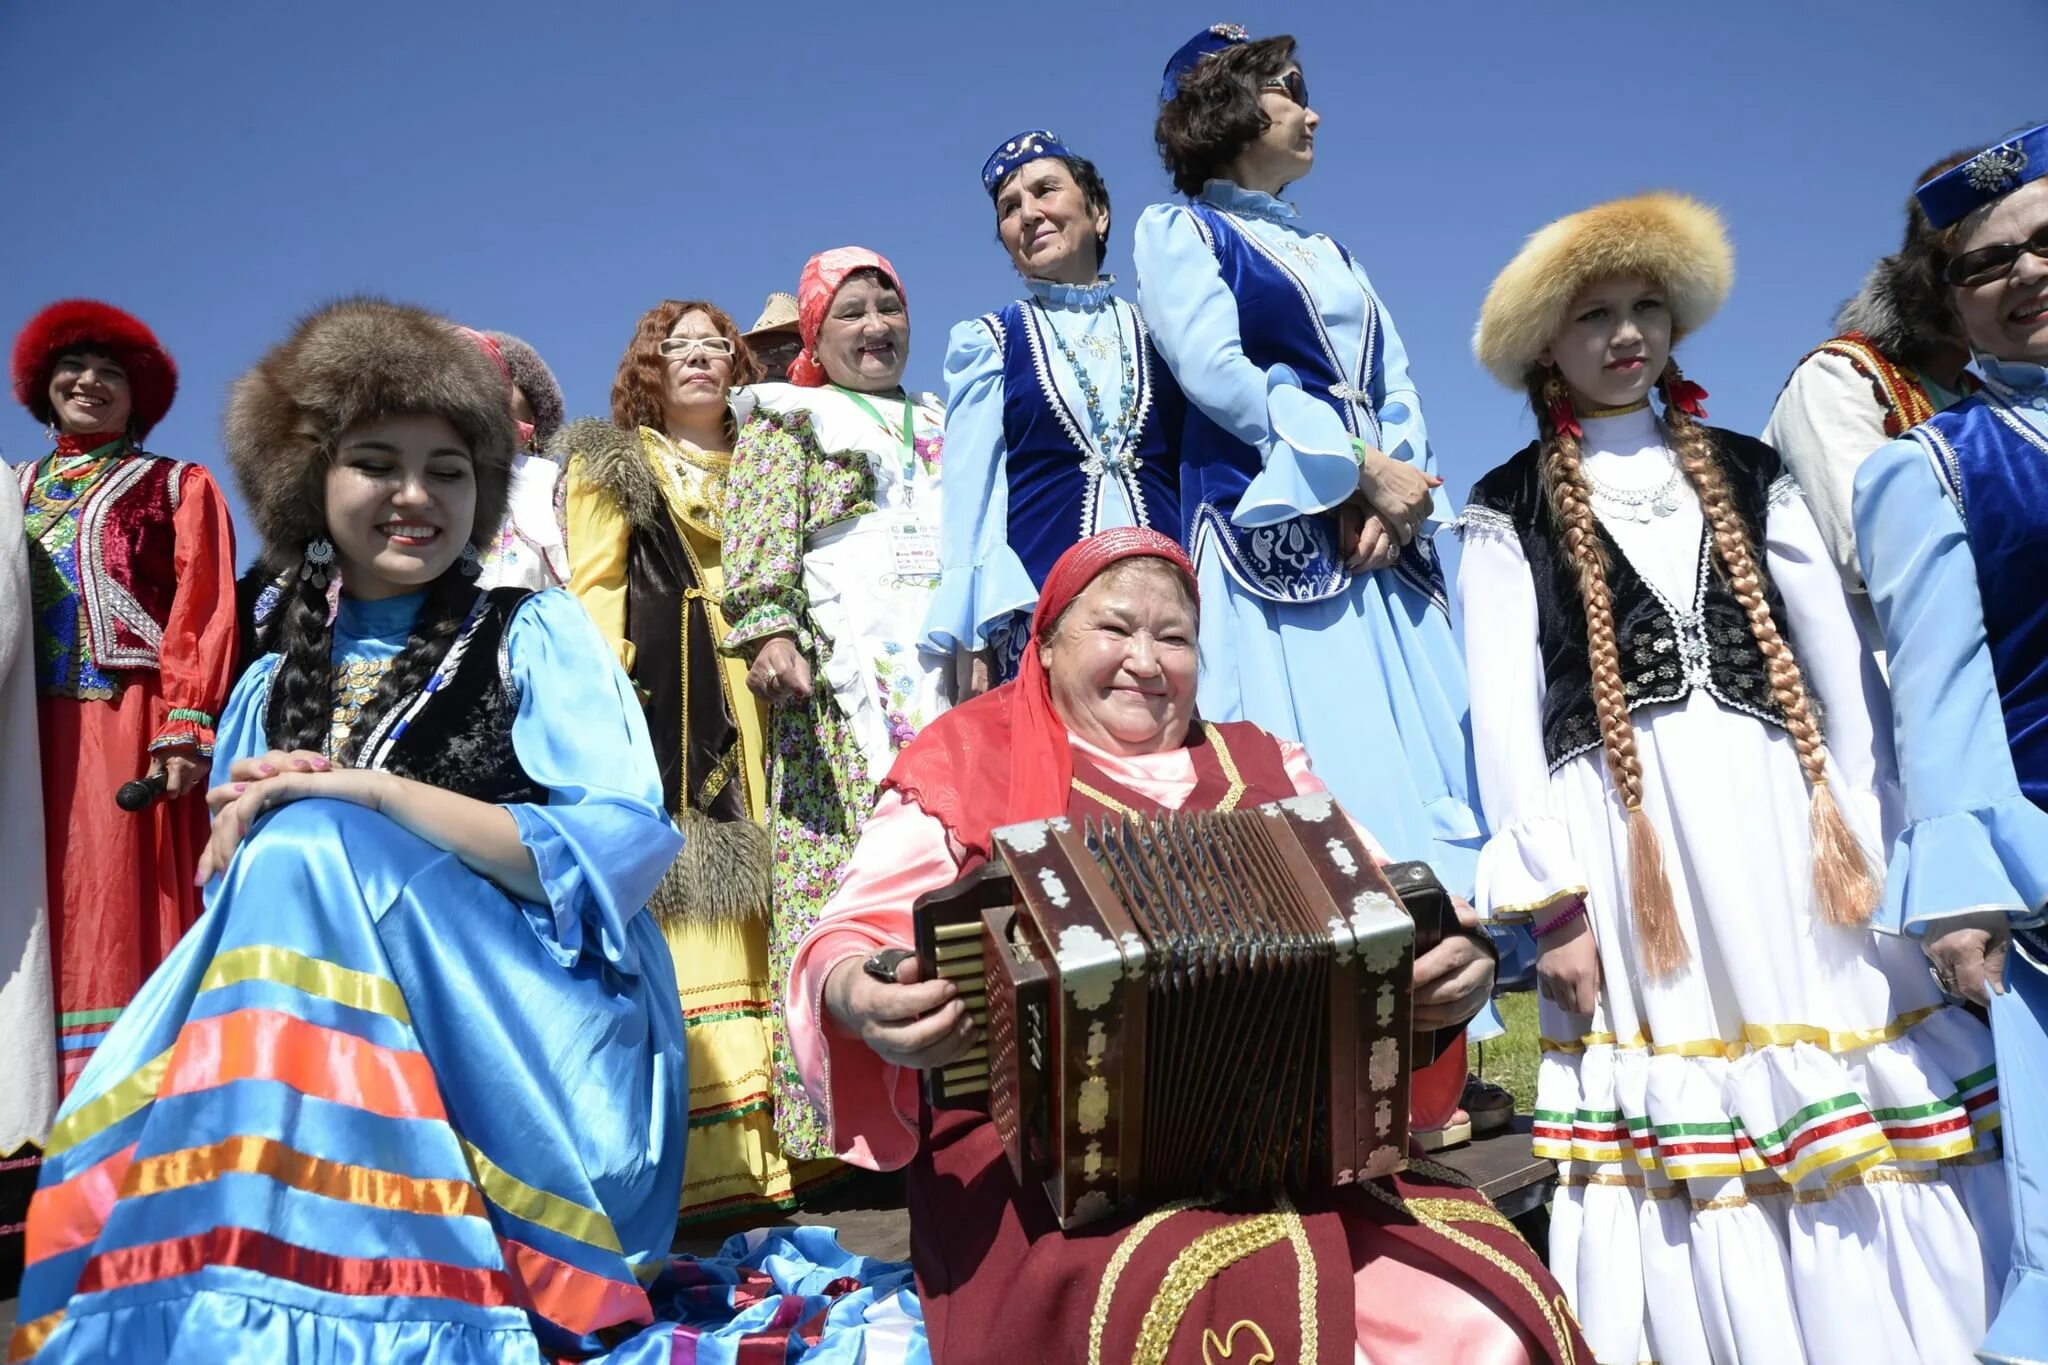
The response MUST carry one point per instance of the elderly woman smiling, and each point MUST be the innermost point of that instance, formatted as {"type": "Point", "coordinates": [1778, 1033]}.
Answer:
{"type": "Point", "coordinates": [831, 556]}
{"type": "Point", "coordinates": [1060, 417]}
{"type": "Point", "coordinates": [1101, 720]}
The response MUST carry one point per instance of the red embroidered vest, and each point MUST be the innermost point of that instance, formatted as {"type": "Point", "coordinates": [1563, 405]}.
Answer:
{"type": "Point", "coordinates": [1898, 390]}
{"type": "Point", "coordinates": [127, 560]}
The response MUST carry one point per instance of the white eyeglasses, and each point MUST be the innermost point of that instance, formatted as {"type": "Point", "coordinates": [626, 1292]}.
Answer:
{"type": "Point", "coordinates": [682, 348]}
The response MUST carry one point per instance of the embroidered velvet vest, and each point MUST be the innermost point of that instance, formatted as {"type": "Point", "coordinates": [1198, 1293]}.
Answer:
{"type": "Point", "coordinates": [1667, 648]}
{"type": "Point", "coordinates": [455, 733]}
{"type": "Point", "coordinates": [1054, 472]}
{"type": "Point", "coordinates": [1279, 324]}
{"type": "Point", "coordinates": [127, 557]}
{"type": "Point", "coordinates": [1995, 468]}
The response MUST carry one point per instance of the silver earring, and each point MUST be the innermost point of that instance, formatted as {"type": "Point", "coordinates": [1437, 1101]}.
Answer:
{"type": "Point", "coordinates": [472, 563]}
{"type": "Point", "coordinates": [319, 556]}
{"type": "Point", "coordinates": [53, 431]}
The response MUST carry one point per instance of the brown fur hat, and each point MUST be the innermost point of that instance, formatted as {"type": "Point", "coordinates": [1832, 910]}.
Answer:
{"type": "Point", "coordinates": [1670, 238]}
{"type": "Point", "coordinates": [354, 361]}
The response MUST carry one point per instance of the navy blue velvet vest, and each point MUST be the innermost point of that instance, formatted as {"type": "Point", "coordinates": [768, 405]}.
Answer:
{"type": "Point", "coordinates": [1996, 469]}
{"type": "Point", "coordinates": [1054, 472]}
{"type": "Point", "coordinates": [1280, 324]}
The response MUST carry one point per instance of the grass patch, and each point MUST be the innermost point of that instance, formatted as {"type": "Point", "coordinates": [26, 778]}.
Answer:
{"type": "Point", "coordinates": [1510, 1060]}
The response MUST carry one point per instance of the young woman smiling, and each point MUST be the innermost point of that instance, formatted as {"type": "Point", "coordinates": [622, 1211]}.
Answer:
{"type": "Point", "coordinates": [1061, 420]}
{"type": "Point", "coordinates": [415, 1086]}
{"type": "Point", "coordinates": [1951, 526]}
{"type": "Point", "coordinates": [831, 557]}
{"type": "Point", "coordinates": [1767, 1118]}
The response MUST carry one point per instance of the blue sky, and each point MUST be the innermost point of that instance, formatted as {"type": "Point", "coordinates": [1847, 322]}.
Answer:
{"type": "Point", "coordinates": [220, 166]}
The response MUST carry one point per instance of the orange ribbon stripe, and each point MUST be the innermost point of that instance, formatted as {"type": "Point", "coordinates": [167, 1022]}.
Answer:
{"type": "Point", "coordinates": [286, 1165]}
{"type": "Point", "coordinates": [576, 1299]}
{"type": "Point", "coordinates": [70, 1215]}
{"type": "Point", "coordinates": [265, 1045]}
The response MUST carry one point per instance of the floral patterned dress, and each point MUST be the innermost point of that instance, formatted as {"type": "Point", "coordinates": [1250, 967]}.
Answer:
{"type": "Point", "coordinates": [831, 538]}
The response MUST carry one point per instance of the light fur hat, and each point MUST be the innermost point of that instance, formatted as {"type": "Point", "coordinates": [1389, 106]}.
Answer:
{"type": "Point", "coordinates": [1673, 239]}
{"type": "Point", "coordinates": [358, 360]}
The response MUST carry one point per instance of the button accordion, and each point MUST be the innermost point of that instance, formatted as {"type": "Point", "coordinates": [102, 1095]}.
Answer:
{"type": "Point", "coordinates": [1187, 1005]}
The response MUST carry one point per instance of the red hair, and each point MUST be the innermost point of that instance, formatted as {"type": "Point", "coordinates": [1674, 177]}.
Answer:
{"type": "Point", "coordinates": [638, 386]}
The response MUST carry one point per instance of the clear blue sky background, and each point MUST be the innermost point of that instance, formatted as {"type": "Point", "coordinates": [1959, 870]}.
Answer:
{"type": "Point", "coordinates": [220, 166]}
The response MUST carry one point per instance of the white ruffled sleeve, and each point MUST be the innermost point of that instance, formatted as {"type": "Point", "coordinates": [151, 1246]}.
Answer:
{"type": "Point", "coordinates": [1527, 865]}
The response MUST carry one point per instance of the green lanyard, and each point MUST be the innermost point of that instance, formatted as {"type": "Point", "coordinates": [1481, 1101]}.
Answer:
{"type": "Point", "coordinates": [909, 437]}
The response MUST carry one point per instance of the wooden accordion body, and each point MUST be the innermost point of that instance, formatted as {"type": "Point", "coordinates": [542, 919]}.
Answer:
{"type": "Point", "coordinates": [1186, 1005]}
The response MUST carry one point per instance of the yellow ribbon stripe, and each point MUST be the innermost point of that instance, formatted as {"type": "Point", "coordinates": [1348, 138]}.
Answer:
{"type": "Point", "coordinates": [550, 1211]}
{"type": "Point", "coordinates": [124, 1097]}
{"type": "Point", "coordinates": [1754, 1036]}
{"type": "Point", "coordinates": [343, 985]}
{"type": "Point", "coordinates": [30, 1336]}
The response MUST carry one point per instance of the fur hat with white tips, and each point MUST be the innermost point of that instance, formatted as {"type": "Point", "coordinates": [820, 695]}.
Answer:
{"type": "Point", "coordinates": [1670, 238]}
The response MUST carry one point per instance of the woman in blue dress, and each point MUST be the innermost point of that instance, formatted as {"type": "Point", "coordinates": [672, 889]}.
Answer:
{"type": "Point", "coordinates": [1305, 465]}
{"type": "Point", "coordinates": [413, 1087]}
{"type": "Point", "coordinates": [1952, 532]}
{"type": "Point", "coordinates": [1060, 419]}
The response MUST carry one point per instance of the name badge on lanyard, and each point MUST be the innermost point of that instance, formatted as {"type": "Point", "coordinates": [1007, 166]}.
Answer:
{"type": "Point", "coordinates": [914, 546]}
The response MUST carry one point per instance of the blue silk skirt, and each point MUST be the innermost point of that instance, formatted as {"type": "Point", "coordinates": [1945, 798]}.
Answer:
{"type": "Point", "coordinates": [363, 1113]}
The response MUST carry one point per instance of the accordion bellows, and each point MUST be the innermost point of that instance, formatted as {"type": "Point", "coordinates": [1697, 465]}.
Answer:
{"type": "Point", "coordinates": [1187, 1005]}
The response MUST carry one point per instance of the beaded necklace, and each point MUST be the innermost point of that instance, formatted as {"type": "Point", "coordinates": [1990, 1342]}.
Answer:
{"type": "Point", "coordinates": [1110, 441]}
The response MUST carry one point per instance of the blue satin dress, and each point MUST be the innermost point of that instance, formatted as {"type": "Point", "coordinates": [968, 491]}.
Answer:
{"type": "Point", "coordinates": [1952, 531]}
{"type": "Point", "coordinates": [373, 1108]}
{"type": "Point", "coordinates": [1362, 670]}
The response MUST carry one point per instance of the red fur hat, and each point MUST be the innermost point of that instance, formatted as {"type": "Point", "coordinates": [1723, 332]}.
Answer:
{"type": "Point", "coordinates": [87, 324]}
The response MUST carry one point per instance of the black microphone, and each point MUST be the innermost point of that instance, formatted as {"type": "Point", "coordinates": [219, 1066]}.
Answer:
{"type": "Point", "coordinates": [137, 795]}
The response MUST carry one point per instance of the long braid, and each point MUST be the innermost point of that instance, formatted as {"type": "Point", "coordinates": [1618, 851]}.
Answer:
{"type": "Point", "coordinates": [1661, 942]}
{"type": "Point", "coordinates": [449, 598]}
{"type": "Point", "coordinates": [1843, 886]}
{"type": "Point", "coordinates": [301, 690]}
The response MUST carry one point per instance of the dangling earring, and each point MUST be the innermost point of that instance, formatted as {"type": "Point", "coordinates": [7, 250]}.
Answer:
{"type": "Point", "coordinates": [1557, 396]}
{"type": "Point", "coordinates": [319, 555]}
{"type": "Point", "coordinates": [1681, 393]}
{"type": "Point", "coordinates": [472, 563]}
{"type": "Point", "coordinates": [53, 431]}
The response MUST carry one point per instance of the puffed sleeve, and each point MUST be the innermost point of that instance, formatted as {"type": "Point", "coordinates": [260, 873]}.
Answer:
{"type": "Point", "coordinates": [197, 658]}
{"type": "Point", "coordinates": [1972, 841]}
{"type": "Point", "coordinates": [765, 512]}
{"type": "Point", "coordinates": [601, 840]}
{"type": "Point", "coordinates": [1840, 673]}
{"type": "Point", "coordinates": [1527, 865]}
{"type": "Point", "coordinates": [1825, 425]}
{"type": "Point", "coordinates": [241, 733]}
{"type": "Point", "coordinates": [599, 539]}
{"type": "Point", "coordinates": [1309, 463]}
{"type": "Point", "coordinates": [982, 582]}
{"type": "Point", "coordinates": [870, 1105]}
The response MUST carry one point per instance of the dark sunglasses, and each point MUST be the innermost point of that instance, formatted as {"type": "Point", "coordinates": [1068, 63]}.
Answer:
{"type": "Point", "coordinates": [1988, 263]}
{"type": "Point", "coordinates": [1293, 85]}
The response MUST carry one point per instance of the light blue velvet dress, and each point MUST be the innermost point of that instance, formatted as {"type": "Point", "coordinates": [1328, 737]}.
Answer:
{"type": "Point", "coordinates": [987, 590]}
{"type": "Point", "coordinates": [1976, 842]}
{"type": "Point", "coordinates": [1369, 677]}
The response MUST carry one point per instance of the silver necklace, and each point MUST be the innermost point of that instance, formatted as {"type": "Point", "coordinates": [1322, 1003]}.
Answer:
{"type": "Point", "coordinates": [1639, 504]}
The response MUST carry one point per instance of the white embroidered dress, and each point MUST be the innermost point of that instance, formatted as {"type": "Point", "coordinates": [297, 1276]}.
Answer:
{"type": "Point", "coordinates": [1767, 1156]}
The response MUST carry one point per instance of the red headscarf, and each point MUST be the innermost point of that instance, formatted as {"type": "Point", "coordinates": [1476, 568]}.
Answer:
{"type": "Point", "coordinates": [1005, 756]}
{"type": "Point", "coordinates": [819, 285]}
{"type": "Point", "coordinates": [496, 353]}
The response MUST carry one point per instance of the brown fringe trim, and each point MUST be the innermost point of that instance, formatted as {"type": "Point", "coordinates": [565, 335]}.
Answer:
{"type": "Point", "coordinates": [720, 877]}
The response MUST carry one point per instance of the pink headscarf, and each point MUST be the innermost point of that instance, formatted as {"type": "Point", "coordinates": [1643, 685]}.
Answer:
{"type": "Point", "coordinates": [489, 346]}
{"type": "Point", "coordinates": [815, 290]}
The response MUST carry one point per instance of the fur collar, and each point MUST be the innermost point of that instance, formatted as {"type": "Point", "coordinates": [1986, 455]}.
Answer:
{"type": "Point", "coordinates": [614, 463]}
{"type": "Point", "coordinates": [1900, 309]}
